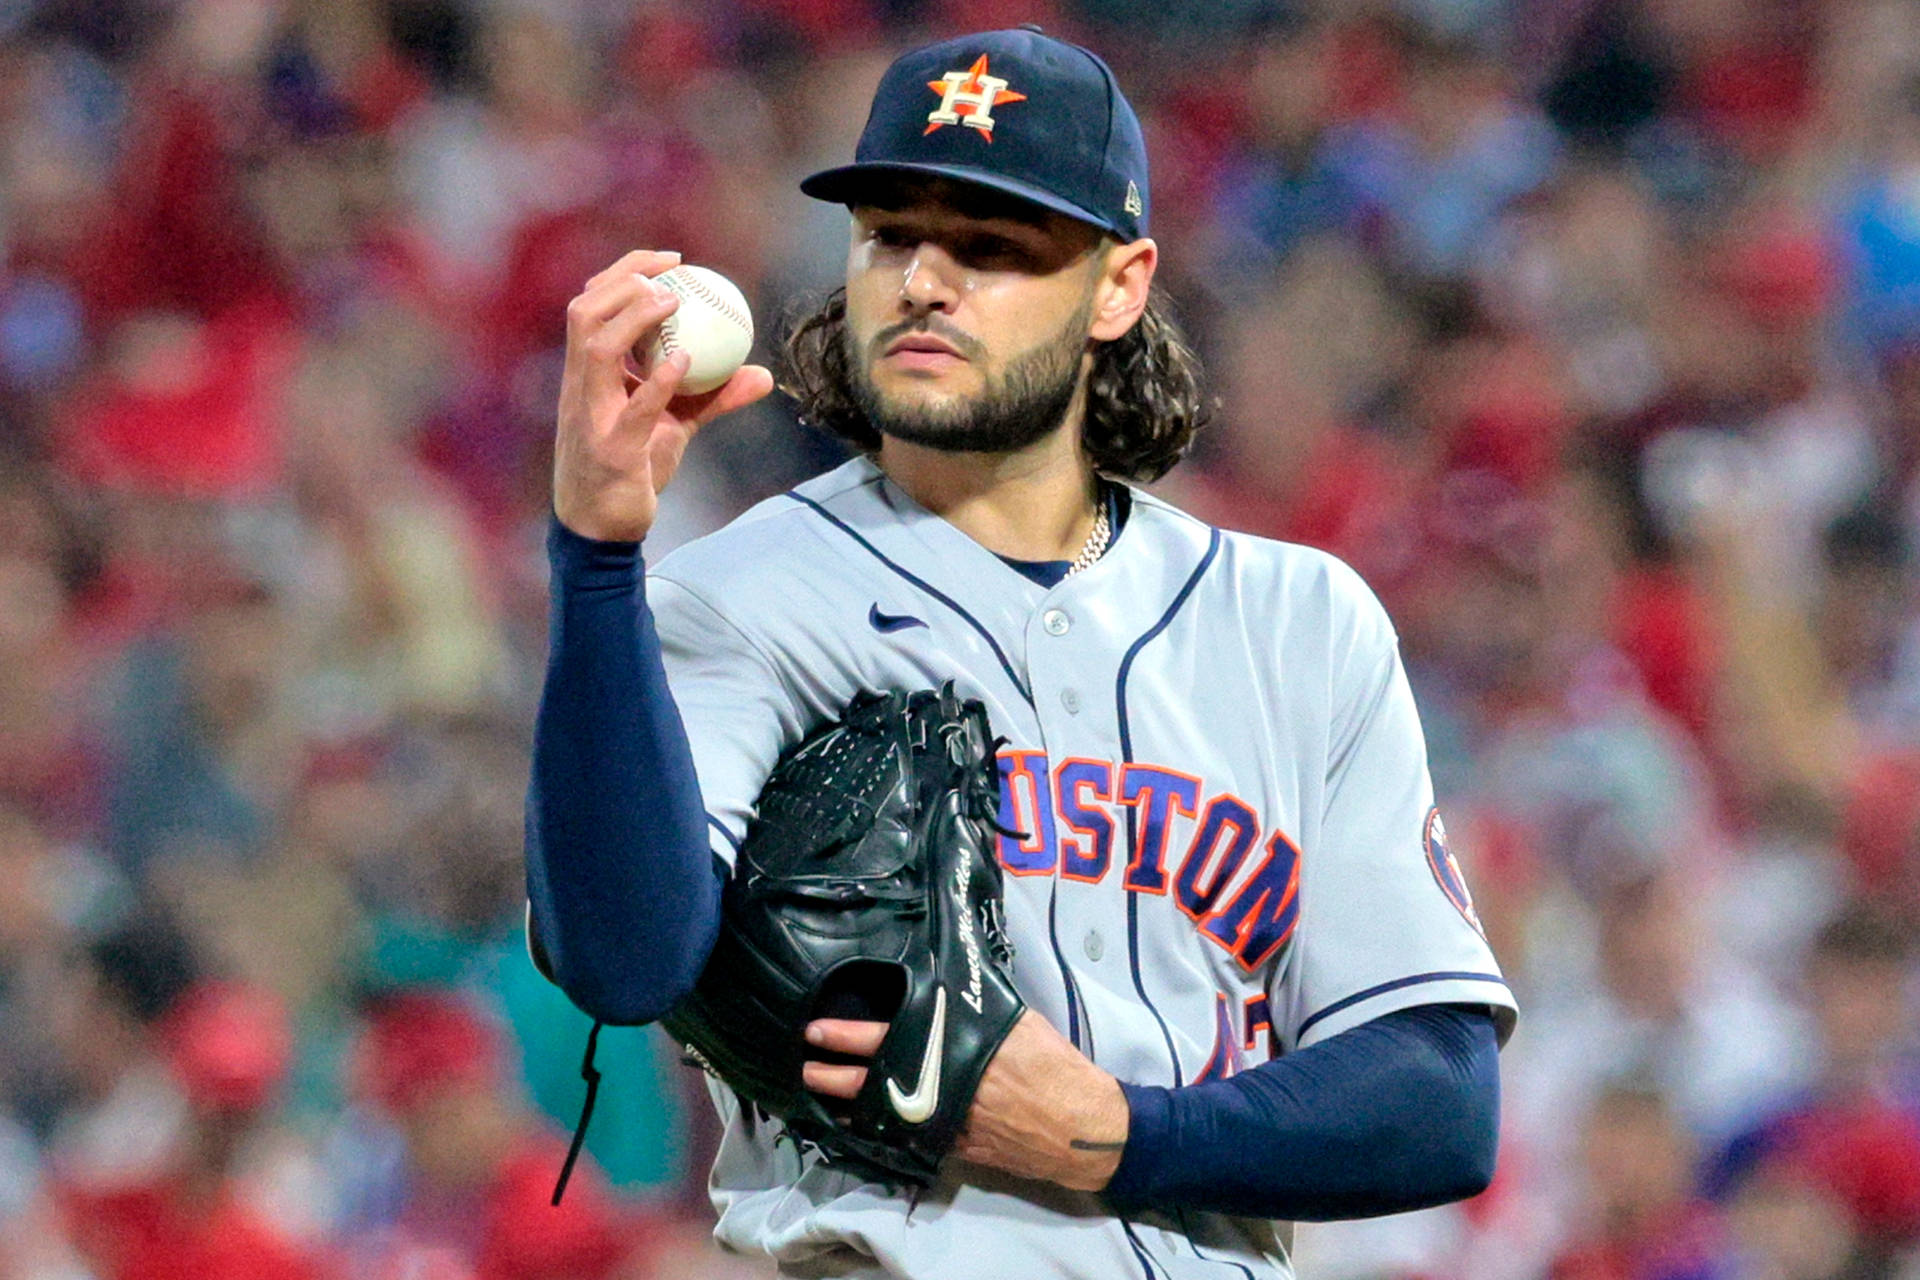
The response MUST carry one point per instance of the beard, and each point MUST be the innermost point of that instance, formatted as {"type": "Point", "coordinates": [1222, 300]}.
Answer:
{"type": "Point", "coordinates": [1022, 406]}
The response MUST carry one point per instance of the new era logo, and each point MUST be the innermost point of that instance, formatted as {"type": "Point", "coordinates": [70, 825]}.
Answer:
{"type": "Point", "coordinates": [1133, 204]}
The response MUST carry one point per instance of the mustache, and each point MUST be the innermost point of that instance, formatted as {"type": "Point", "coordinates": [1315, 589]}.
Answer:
{"type": "Point", "coordinates": [966, 344]}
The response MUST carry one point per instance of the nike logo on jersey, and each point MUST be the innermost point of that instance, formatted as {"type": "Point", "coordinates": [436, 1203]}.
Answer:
{"type": "Point", "coordinates": [885, 622]}
{"type": "Point", "coordinates": [917, 1107]}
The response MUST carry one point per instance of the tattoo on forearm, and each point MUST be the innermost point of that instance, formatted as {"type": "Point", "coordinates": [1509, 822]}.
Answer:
{"type": "Point", "coordinates": [1082, 1144]}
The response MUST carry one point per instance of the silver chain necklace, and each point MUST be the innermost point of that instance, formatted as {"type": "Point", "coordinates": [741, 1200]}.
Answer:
{"type": "Point", "coordinates": [1096, 545]}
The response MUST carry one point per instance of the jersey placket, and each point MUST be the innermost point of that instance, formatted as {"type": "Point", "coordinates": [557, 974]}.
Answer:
{"type": "Point", "coordinates": [1072, 772]}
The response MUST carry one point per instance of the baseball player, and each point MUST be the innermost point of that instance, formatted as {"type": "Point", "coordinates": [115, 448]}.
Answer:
{"type": "Point", "coordinates": [1257, 990]}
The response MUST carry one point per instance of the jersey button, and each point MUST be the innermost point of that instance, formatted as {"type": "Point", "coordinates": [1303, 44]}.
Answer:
{"type": "Point", "coordinates": [1070, 699]}
{"type": "Point", "coordinates": [1056, 622]}
{"type": "Point", "coordinates": [1094, 946]}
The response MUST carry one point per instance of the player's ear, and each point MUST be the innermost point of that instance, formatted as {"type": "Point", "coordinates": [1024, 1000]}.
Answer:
{"type": "Point", "coordinates": [1120, 294]}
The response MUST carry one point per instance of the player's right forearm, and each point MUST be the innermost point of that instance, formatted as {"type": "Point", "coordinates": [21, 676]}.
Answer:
{"type": "Point", "coordinates": [624, 894]}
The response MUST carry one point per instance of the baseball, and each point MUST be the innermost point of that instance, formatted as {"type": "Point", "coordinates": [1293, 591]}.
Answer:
{"type": "Point", "coordinates": [712, 325]}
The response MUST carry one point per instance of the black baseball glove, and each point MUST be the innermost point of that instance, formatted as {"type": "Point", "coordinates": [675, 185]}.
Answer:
{"type": "Point", "coordinates": [867, 887]}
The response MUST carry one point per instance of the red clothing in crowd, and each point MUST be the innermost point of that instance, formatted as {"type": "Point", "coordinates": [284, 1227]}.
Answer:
{"type": "Point", "coordinates": [1867, 1153]}
{"type": "Point", "coordinates": [526, 1237]}
{"type": "Point", "coordinates": [153, 1232]}
{"type": "Point", "coordinates": [511, 1230]}
{"type": "Point", "coordinates": [1683, 1243]}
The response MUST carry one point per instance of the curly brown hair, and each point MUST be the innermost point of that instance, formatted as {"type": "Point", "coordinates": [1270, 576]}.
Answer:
{"type": "Point", "coordinates": [1145, 400]}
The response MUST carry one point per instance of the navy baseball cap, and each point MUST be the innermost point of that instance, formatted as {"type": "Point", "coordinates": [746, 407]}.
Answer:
{"type": "Point", "coordinates": [1017, 111]}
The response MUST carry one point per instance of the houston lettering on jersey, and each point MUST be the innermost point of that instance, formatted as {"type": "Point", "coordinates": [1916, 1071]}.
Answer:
{"type": "Point", "coordinates": [1066, 816]}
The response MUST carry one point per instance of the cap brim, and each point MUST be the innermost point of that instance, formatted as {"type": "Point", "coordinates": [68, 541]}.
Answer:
{"type": "Point", "coordinates": [848, 183]}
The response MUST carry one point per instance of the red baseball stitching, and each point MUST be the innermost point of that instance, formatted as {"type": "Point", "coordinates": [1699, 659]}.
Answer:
{"type": "Point", "coordinates": [688, 285]}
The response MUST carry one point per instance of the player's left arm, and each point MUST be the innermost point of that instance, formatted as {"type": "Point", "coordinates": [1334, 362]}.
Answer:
{"type": "Point", "coordinates": [1396, 1114]}
{"type": "Point", "coordinates": [1042, 1110]}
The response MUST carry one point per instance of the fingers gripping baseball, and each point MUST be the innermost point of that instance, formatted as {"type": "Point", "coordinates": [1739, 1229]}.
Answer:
{"type": "Point", "coordinates": [619, 440]}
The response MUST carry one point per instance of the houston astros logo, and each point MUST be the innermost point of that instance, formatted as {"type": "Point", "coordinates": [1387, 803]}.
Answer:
{"type": "Point", "coordinates": [1446, 870]}
{"type": "Point", "coordinates": [973, 89]}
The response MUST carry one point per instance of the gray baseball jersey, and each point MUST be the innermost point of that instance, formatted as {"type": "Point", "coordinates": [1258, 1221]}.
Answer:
{"type": "Point", "coordinates": [1231, 849]}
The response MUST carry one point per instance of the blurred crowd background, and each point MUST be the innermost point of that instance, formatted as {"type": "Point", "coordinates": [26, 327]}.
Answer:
{"type": "Point", "coordinates": [1588, 330]}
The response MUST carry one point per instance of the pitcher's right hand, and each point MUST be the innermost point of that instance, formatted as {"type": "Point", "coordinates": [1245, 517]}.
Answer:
{"type": "Point", "coordinates": [619, 439]}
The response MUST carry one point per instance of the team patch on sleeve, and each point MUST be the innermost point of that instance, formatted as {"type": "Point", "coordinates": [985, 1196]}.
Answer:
{"type": "Point", "coordinates": [1446, 870]}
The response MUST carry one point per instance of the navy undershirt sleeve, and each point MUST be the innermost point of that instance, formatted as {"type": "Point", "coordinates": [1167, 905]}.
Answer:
{"type": "Point", "coordinates": [624, 893]}
{"type": "Point", "coordinates": [1399, 1113]}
